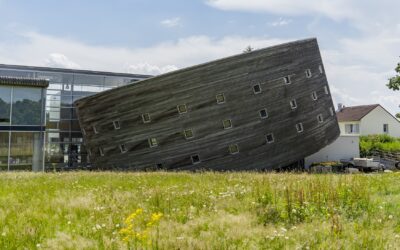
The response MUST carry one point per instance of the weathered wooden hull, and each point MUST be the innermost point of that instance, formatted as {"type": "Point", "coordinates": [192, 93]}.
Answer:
{"type": "Point", "coordinates": [197, 88]}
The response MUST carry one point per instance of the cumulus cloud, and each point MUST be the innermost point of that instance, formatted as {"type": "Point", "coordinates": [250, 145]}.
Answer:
{"type": "Point", "coordinates": [172, 22]}
{"type": "Point", "coordinates": [58, 60]}
{"type": "Point", "coordinates": [280, 22]}
{"type": "Point", "coordinates": [148, 69]}
{"type": "Point", "coordinates": [352, 74]}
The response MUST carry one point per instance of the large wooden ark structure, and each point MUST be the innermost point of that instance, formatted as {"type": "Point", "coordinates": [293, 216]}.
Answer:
{"type": "Point", "coordinates": [263, 109]}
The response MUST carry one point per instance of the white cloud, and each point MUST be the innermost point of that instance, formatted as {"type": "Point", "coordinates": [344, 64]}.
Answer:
{"type": "Point", "coordinates": [352, 74]}
{"type": "Point", "coordinates": [280, 22]}
{"type": "Point", "coordinates": [163, 57]}
{"type": "Point", "coordinates": [172, 22]}
{"type": "Point", "coordinates": [335, 9]}
{"type": "Point", "coordinates": [148, 69]}
{"type": "Point", "coordinates": [60, 61]}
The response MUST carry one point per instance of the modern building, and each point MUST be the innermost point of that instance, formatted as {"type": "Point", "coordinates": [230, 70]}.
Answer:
{"type": "Point", "coordinates": [39, 129]}
{"type": "Point", "coordinates": [265, 109]}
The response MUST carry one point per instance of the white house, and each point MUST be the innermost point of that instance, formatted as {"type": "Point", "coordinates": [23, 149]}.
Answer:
{"type": "Point", "coordinates": [353, 122]}
{"type": "Point", "coordinates": [367, 120]}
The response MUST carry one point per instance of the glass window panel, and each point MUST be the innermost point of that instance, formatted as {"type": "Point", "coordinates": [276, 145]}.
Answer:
{"type": "Point", "coordinates": [53, 115]}
{"type": "Point", "coordinates": [25, 151]}
{"type": "Point", "coordinates": [84, 89]}
{"type": "Point", "coordinates": [88, 79]}
{"type": "Point", "coordinates": [65, 125]}
{"type": "Point", "coordinates": [27, 106]}
{"type": "Point", "coordinates": [53, 92]}
{"type": "Point", "coordinates": [55, 76]}
{"type": "Point", "coordinates": [75, 125]}
{"type": "Point", "coordinates": [53, 101]}
{"type": "Point", "coordinates": [55, 154]}
{"type": "Point", "coordinates": [55, 86]}
{"type": "Point", "coordinates": [5, 101]}
{"type": "Point", "coordinates": [66, 101]}
{"type": "Point", "coordinates": [4, 150]}
{"type": "Point", "coordinates": [17, 73]}
{"type": "Point", "coordinates": [66, 113]}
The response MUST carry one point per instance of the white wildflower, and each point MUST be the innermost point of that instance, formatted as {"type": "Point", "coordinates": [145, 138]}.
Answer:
{"type": "Point", "coordinates": [69, 222]}
{"type": "Point", "coordinates": [3, 234]}
{"type": "Point", "coordinates": [117, 225]}
{"type": "Point", "coordinates": [98, 226]}
{"type": "Point", "coordinates": [38, 245]}
{"type": "Point", "coordinates": [390, 217]}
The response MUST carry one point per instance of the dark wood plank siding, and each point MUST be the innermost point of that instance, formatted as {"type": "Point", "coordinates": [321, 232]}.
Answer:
{"type": "Point", "coordinates": [197, 87]}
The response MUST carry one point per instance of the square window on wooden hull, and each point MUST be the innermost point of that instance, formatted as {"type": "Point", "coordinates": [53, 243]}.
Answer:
{"type": "Point", "coordinates": [116, 125]}
{"type": "Point", "coordinates": [269, 138]}
{"type": "Point", "coordinates": [299, 127]}
{"type": "Point", "coordinates": [308, 73]}
{"type": "Point", "coordinates": [227, 124]}
{"type": "Point", "coordinates": [314, 95]}
{"type": "Point", "coordinates": [257, 89]}
{"type": "Point", "coordinates": [182, 108]}
{"type": "Point", "coordinates": [188, 133]}
{"type": "Point", "coordinates": [122, 148]}
{"type": "Point", "coordinates": [263, 113]}
{"type": "Point", "coordinates": [220, 98]}
{"type": "Point", "coordinates": [195, 159]}
{"type": "Point", "coordinates": [320, 118]}
{"type": "Point", "coordinates": [146, 118]}
{"type": "Point", "coordinates": [233, 149]}
{"type": "Point", "coordinates": [293, 104]}
{"type": "Point", "coordinates": [153, 142]}
{"type": "Point", "coordinates": [287, 80]}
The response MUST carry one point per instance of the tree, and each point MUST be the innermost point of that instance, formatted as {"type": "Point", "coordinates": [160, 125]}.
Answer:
{"type": "Point", "coordinates": [248, 49]}
{"type": "Point", "coordinates": [398, 115]}
{"type": "Point", "coordinates": [394, 82]}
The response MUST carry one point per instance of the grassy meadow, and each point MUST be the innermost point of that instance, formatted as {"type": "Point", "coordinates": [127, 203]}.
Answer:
{"type": "Point", "coordinates": [159, 210]}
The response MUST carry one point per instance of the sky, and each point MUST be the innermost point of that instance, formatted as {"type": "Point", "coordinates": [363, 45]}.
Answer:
{"type": "Point", "coordinates": [359, 40]}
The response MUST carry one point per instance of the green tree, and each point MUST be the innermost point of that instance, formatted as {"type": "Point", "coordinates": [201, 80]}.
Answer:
{"type": "Point", "coordinates": [398, 115]}
{"type": "Point", "coordinates": [248, 49]}
{"type": "Point", "coordinates": [394, 82]}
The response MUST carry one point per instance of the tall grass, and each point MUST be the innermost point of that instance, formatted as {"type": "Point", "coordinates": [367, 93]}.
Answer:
{"type": "Point", "coordinates": [199, 211]}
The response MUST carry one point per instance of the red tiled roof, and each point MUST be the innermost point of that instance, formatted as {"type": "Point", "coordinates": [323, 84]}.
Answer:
{"type": "Point", "coordinates": [354, 113]}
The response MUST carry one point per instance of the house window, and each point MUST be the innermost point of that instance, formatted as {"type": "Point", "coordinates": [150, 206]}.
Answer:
{"type": "Point", "coordinates": [233, 149]}
{"type": "Point", "coordinates": [257, 89]}
{"type": "Point", "coordinates": [352, 128]}
{"type": "Point", "coordinates": [320, 118]}
{"type": "Point", "coordinates": [146, 118]}
{"type": "Point", "coordinates": [195, 159]}
{"type": "Point", "coordinates": [220, 98]}
{"type": "Point", "coordinates": [386, 128]}
{"type": "Point", "coordinates": [188, 133]}
{"type": "Point", "coordinates": [123, 149]}
{"type": "Point", "coordinates": [153, 142]}
{"type": "Point", "coordinates": [293, 104]}
{"type": "Point", "coordinates": [227, 123]}
{"type": "Point", "coordinates": [314, 95]}
{"type": "Point", "coordinates": [95, 130]}
{"type": "Point", "coordinates": [182, 108]}
{"type": "Point", "coordinates": [321, 70]}
{"type": "Point", "coordinates": [263, 113]}
{"type": "Point", "coordinates": [269, 138]}
{"type": "Point", "coordinates": [287, 80]}
{"type": "Point", "coordinates": [101, 151]}
{"type": "Point", "coordinates": [308, 73]}
{"type": "Point", "coordinates": [326, 90]}
{"type": "Point", "coordinates": [331, 111]}
{"type": "Point", "coordinates": [116, 124]}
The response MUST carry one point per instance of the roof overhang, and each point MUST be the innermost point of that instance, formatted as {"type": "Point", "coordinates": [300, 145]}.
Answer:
{"type": "Point", "coordinates": [24, 82]}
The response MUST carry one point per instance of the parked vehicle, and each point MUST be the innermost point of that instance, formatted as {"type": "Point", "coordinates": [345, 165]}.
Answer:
{"type": "Point", "coordinates": [363, 164]}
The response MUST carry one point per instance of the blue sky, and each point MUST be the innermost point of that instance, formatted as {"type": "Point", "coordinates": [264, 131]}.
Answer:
{"type": "Point", "coordinates": [359, 40]}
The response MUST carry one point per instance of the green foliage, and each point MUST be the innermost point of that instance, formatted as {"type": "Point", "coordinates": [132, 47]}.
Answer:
{"type": "Point", "coordinates": [199, 211]}
{"type": "Point", "coordinates": [398, 115]}
{"type": "Point", "coordinates": [394, 82]}
{"type": "Point", "coordinates": [378, 142]}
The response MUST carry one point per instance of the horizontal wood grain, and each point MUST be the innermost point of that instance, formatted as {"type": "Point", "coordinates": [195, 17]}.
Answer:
{"type": "Point", "coordinates": [197, 88]}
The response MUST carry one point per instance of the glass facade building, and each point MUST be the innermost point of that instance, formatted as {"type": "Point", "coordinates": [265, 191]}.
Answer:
{"type": "Point", "coordinates": [39, 129]}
